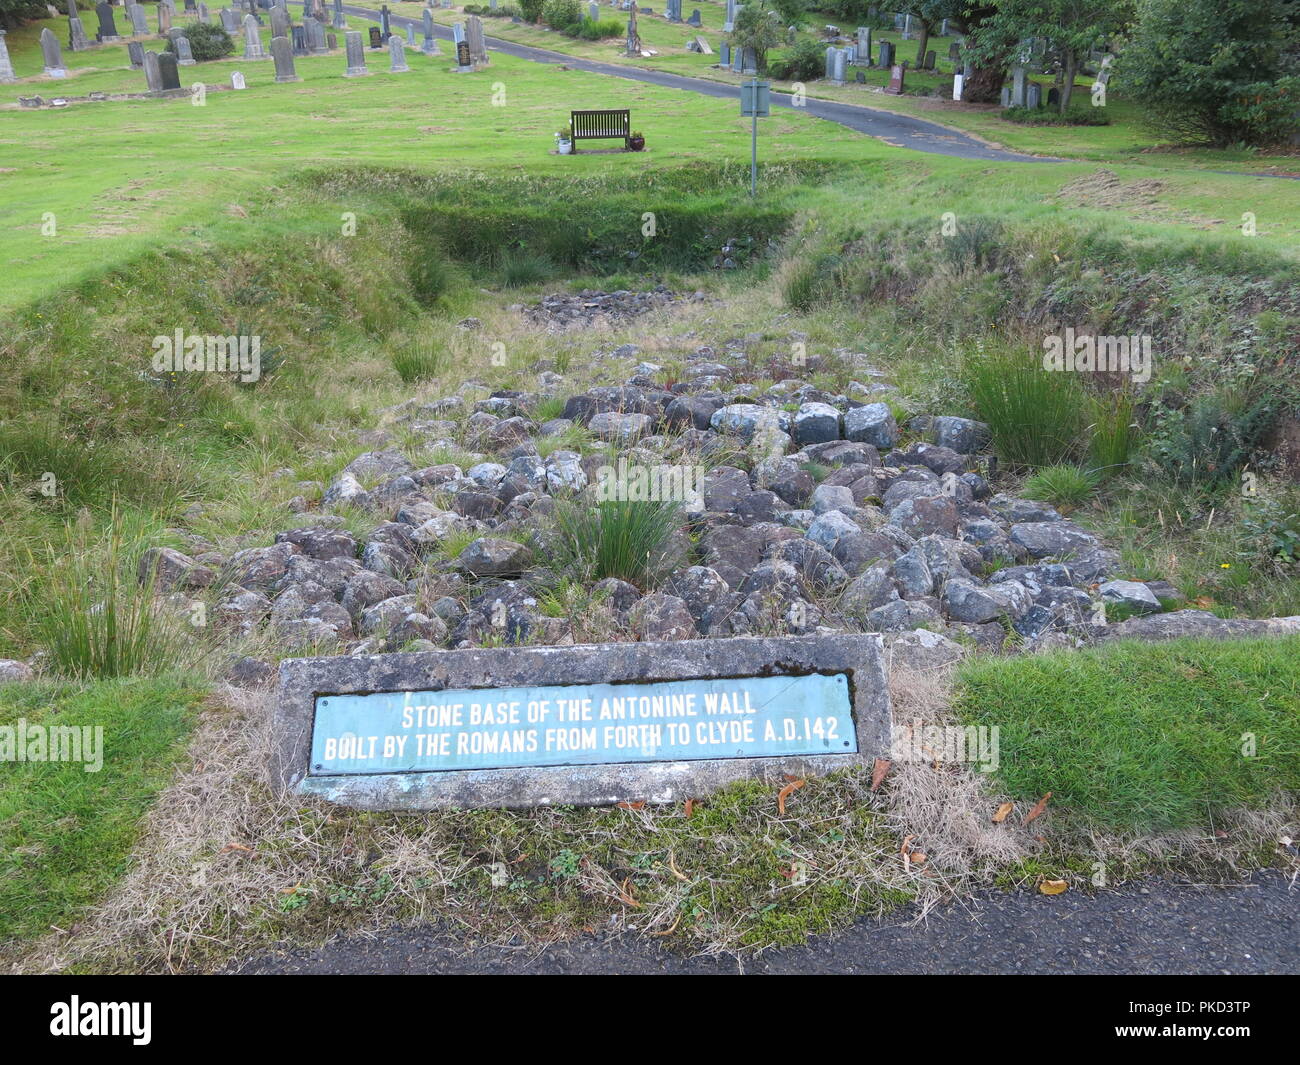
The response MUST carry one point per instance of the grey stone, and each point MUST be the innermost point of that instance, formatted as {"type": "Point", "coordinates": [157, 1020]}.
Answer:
{"type": "Point", "coordinates": [492, 557]}
{"type": "Point", "coordinates": [13, 671]}
{"type": "Point", "coordinates": [1199, 624]}
{"type": "Point", "coordinates": [1052, 539]}
{"type": "Point", "coordinates": [1131, 594]}
{"type": "Point", "coordinates": [171, 569]}
{"type": "Point", "coordinates": [816, 423]}
{"type": "Point", "coordinates": [871, 424]}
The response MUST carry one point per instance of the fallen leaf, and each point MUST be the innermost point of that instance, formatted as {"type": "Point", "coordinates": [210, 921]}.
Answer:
{"type": "Point", "coordinates": [918, 857]}
{"type": "Point", "coordinates": [785, 793]}
{"type": "Point", "coordinates": [1052, 887]}
{"type": "Point", "coordinates": [631, 805]}
{"type": "Point", "coordinates": [625, 894]}
{"type": "Point", "coordinates": [878, 772]}
{"type": "Point", "coordinates": [690, 808]}
{"type": "Point", "coordinates": [236, 847]}
{"type": "Point", "coordinates": [1002, 812]}
{"type": "Point", "coordinates": [1039, 807]}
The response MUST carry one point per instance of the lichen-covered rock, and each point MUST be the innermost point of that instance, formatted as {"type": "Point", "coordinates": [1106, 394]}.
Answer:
{"type": "Point", "coordinates": [872, 423]}
{"type": "Point", "coordinates": [1132, 595]}
{"type": "Point", "coordinates": [1052, 538]}
{"type": "Point", "coordinates": [492, 557]}
{"type": "Point", "coordinates": [659, 616]}
{"type": "Point", "coordinates": [816, 423]}
{"type": "Point", "coordinates": [171, 569]}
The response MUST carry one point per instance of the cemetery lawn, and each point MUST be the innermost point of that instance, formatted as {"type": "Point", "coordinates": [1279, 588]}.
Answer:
{"type": "Point", "coordinates": [928, 94]}
{"type": "Point", "coordinates": [1141, 738]}
{"type": "Point", "coordinates": [66, 835]}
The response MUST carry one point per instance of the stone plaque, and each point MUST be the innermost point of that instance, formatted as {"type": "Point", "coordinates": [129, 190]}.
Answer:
{"type": "Point", "coordinates": [528, 726]}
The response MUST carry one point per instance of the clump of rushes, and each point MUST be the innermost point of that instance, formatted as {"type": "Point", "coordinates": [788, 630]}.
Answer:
{"type": "Point", "coordinates": [1063, 486]}
{"type": "Point", "coordinates": [629, 539]}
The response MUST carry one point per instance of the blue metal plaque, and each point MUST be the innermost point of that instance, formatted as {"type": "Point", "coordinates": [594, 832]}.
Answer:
{"type": "Point", "coordinates": [585, 724]}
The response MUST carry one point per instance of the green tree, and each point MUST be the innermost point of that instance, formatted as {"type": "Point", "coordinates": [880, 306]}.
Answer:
{"type": "Point", "coordinates": [13, 13]}
{"type": "Point", "coordinates": [1214, 71]}
{"type": "Point", "coordinates": [758, 26]}
{"type": "Point", "coordinates": [1074, 27]}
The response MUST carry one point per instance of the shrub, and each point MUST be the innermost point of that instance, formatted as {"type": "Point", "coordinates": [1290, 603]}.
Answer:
{"type": "Point", "coordinates": [531, 10]}
{"type": "Point", "coordinates": [419, 359]}
{"type": "Point", "coordinates": [1062, 486]}
{"type": "Point", "coordinates": [1113, 433]}
{"type": "Point", "coordinates": [1210, 70]}
{"type": "Point", "coordinates": [1045, 116]}
{"type": "Point", "coordinates": [561, 13]}
{"type": "Point", "coordinates": [519, 267]}
{"type": "Point", "coordinates": [598, 31]}
{"type": "Point", "coordinates": [628, 539]}
{"type": "Point", "coordinates": [207, 41]}
{"type": "Point", "coordinates": [1271, 529]}
{"type": "Point", "coordinates": [95, 618]}
{"type": "Point", "coordinates": [804, 62]}
{"type": "Point", "coordinates": [1212, 438]}
{"type": "Point", "coordinates": [1036, 417]}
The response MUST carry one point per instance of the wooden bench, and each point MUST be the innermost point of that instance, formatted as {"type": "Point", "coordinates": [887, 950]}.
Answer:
{"type": "Point", "coordinates": [600, 125]}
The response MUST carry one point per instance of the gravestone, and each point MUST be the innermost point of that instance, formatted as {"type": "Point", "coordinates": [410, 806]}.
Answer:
{"type": "Point", "coordinates": [1019, 87]}
{"type": "Point", "coordinates": [203, 12]}
{"type": "Point", "coordinates": [864, 45]}
{"type": "Point", "coordinates": [152, 72]}
{"type": "Point", "coordinates": [702, 46]}
{"type": "Point", "coordinates": [886, 55]}
{"type": "Point", "coordinates": [517, 727]}
{"type": "Point", "coordinates": [958, 85]}
{"type": "Point", "coordinates": [297, 41]}
{"type": "Point", "coordinates": [107, 27]}
{"type": "Point", "coordinates": [169, 71]}
{"type": "Point", "coordinates": [252, 39]}
{"type": "Point", "coordinates": [397, 56]}
{"type": "Point", "coordinates": [135, 55]}
{"type": "Point", "coordinates": [860, 77]}
{"type": "Point", "coordinates": [331, 41]}
{"type": "Point", "coordinates": [340, 21]}
{"type": "Point", "coordinates": [429, 45]}
{"type": "Point", "coordinates": [954, 51]}
{"type": "Point", "coordinates": [837, 71]}
{"type": "Point", "coordinates": [943, 28]}
{"type": "Point", "coordinates": [6, 64]}
{"type": "Point", "coordinates": [376, 38]}
{"type": "Point", "coordinates": [1053, 97]}
{"type": "Point", "coordinates": [929, 61]}
{"type": "Point", "coordinates": [895, 87]}
{"type": "Point", "coordinates": [229, 20]}
{"type": "Point", "coordinates": [280, 22]}
{"type": "Point", "coordinates": [729, 19]}
{"type": "Point", "coordinates": [1006, 96]}
{"type": "Point", "coordinates": [51, 55]}
{"type": "Point", "coordinates": [695, 19]}
{"type": "Point", "coordinates": [410, 35]}
{"type": "Point", "coordinates": [474, 38]}
{"type": "Point", "coordinates": [282, 53]}
{"type": "Point", "coordinates": [1034, 95]}
{"type": "Point", "coordinates": [908, 32]}
{"type": "Point", "coordinates": [737, 60]}
{"type": "Point", "coordinates": [356, 55]}
{"type": "Point", "coordinates": [237, 80]}
{"type": "Point", "coordinates": [184, 56]}
{"type": "Point", "coordinates": [77, 40]}
{"type": "Point", "coordinates": [166, 15]}
{"type": "Point", "coordinates": [384, 30]}
{"type": "Point", "coordinates": [724, 54]}
{"type": "Point", "coordinates": [593, 11]}
{"type": "Point", "coordinates": [315, 32]}
{"type": "Point", "coordinates": [190, 5]}
{"type": "Point", "coordinates": [673, 11]}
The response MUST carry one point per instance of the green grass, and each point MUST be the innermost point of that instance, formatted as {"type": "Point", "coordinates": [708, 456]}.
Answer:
{"type": "Point", "coordinates": [1035, 416]}
{"type": "Point", "coordinates": [66, 834]}
{"type": "Point", "coordinates": [1067, 486]}
{"type": "Point", "coordinates": [628, 539]}
{"type": "Point", "coordinates": [1144, 737]}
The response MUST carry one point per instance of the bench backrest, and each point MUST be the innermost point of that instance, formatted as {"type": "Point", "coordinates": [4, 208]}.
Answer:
{"type": "Point", "coordinates": [599, 124]}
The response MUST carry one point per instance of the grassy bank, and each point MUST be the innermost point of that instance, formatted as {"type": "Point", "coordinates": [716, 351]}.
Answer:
{"type": "Point", "coordinates": [66, 834]}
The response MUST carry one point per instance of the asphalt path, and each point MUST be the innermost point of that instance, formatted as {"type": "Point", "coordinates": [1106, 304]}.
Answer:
{"type": "Point", "coordinates": [1151, 927]}
{"type": "Point", "coordinates": [902, 131]}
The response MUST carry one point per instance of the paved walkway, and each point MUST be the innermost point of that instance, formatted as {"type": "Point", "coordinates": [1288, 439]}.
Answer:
{"type": "Point", "coordinates": [1151, 927]}
{"type": "Point", "coordinates": [900, 130]}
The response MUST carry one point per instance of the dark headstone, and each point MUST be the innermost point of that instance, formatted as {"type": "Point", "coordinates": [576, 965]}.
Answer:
{"type": "Point", "coordinates": [376, 38]}
{"type": "Point", "coordinates": [168, 71]}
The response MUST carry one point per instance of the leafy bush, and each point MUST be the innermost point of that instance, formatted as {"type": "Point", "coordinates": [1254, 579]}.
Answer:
{"type": "Point", "coordinates": [804, 62]}
{"type": "Point", "coordinates": [1062, 486]}
{"type": "Point", "coordinates": [1211, 70]}
{"type": "Point", "coordinates": [628, 539]}
{"type": "Point", "coordinates": [207, 41]}
{"type": "Point", "coordinates": [531, 10]}
{"type": "Point", "coordinates": [1036, 417]}
{"type": "Point", "coordinates": [1271, 529]}
{"type": "Point", "coordinates": [561, 13]}
{"type": "Point", "coordinates": [1212, 438]}
{"type": "Point", "coordinates": [976, 243]}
